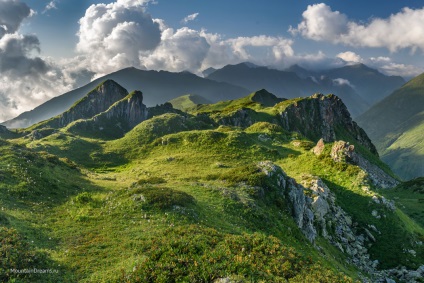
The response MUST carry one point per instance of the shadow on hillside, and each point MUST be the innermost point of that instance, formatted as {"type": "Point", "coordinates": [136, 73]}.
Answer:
{"type": "Point", "coordinates": [84, 153]}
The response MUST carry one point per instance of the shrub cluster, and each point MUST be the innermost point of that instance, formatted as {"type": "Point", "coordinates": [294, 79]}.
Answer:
{"type": "Point", "coordinates": [162, 197]}
{"type": "Point", "coordinates": [197, 254]}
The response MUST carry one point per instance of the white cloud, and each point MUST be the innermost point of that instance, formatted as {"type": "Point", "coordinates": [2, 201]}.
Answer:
{"type": "Point", "coordinates": [340, 82]}
{"type": "Point", "coordinates": [399, 31]}
{"type": "Point", "coordinates": [388, 67]}
{"type": "Point", "coordinates": [52, 5]}
{"type": "Point", "coordinates": [184, 49]}
{"type": "Point", "coordinates": [25, 79]}
{"type": "Point", "coordinates": [113, 35]}
{"type": "Point", "coordinates": [189, 18]}
{"type": "Point", "coordinates": [321, 23]}
{"type": "Point", "coordinates": [350, 57]}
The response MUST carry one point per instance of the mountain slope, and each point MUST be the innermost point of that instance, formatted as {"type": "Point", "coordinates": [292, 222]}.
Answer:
{"type": "Point", "coordinates": [396, 126]}
{"type": "Point", "coordinates": [188, 101]}
{"type": "Point", "coordinates": [158, 87]}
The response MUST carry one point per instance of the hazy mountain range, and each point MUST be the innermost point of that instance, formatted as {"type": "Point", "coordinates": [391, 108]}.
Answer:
{"type": "Point", "coordinates": [358, 86]}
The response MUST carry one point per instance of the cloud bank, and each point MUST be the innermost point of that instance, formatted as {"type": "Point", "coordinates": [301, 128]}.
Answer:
{"type": "Point", "coordinates": [399, 31]}
{"type": "Point", "coordinates": [26, 80]}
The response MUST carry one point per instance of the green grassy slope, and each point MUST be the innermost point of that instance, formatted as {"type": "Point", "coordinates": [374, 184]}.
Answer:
{"type": "Point", "coordinates": [175, 200]}
{"type": "Point", "coordinates": [396, 127]}
{"type": "Point", "coordinates": [188, 101]}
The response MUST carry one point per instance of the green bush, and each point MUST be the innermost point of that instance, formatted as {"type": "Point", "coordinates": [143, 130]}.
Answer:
{"type": "Point", "coordinates": [151, 180]}
{"type": "Point", "coordinates": [83, 198]}
{"type": "Point", "coordinates": [163, 198]}
{"type": "Point", "coordinates": [249, 174]}
{"type": "Point", "coordinates": [3, 219]}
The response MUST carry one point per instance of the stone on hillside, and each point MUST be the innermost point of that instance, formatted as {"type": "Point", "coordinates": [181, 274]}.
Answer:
{"type": "Point", "coordinates": [319, 148]}
{"type": "Point", "coordinates": [320, 207]}
{"type": "Point", "coordinates": [344, 152]}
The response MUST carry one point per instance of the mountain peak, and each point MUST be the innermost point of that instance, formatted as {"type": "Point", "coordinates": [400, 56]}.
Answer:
{"type": "Point", "coordinates": [265, 98]}
{"type": "Point", "coordinates": [96, 101]}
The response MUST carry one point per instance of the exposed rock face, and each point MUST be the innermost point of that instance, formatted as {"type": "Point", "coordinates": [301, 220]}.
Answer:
{"type": "Point", "coordinates": [320, 116]}
{"type": "Point", "coordinates": [239, 118]}
{"type": "Point", "coordinates": [95, 102]}
{"type": "Point", "coordinates": [315, 212]}
{"type": "Point", "coordinates": [343, 152]}
{"type": "Point", "coordinates": [131, 110]}
{"type": "Point", "coordinates": [118, 119]}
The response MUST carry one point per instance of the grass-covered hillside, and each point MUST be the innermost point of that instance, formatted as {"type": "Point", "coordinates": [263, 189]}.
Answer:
{"type": "Point", "coordinates": [396, 127]}
{"type": "Point", "coordinates": [225, 193]}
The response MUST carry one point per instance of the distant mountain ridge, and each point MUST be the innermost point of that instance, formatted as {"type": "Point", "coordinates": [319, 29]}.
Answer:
{"type": "Point", "coordinates": [396, 125]}
{"type": "Point", "coordinates": [296, 81]}
{"type": "Point", "coordinates": [231, 82]}
{"type": "Point", "coordinates": [157, 86]}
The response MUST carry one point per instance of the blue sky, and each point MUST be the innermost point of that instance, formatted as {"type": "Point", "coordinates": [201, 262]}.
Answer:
{"type": "Point", "coordinates": [47, 47]}
{"type": "Point", "coordinates": [57, 28]}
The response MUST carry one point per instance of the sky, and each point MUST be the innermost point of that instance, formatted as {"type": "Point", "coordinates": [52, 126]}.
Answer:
{"type": "Point", "coordinates": [49, 47]}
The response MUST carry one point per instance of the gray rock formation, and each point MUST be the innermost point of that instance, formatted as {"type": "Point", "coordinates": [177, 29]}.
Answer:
{"type": "Point", "coordinates": [314, 209]}
{"type": "Point", "coordinates": [319, 148]}
{"type": "Point", "coordinates": [343, 152]}
{"type": "Point", "coordinates": [320, 116]}
{"type": "Point", "coordinates": [117, 120]}
{"type": "Point", "coordinates": [95, 102]}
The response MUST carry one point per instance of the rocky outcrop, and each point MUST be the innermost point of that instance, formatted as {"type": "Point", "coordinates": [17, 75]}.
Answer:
{"type": "Point", "coordinates": [319, 148]}
{"type": "Point", "coordinates": [314, 209]}
{"type": "Point", "coordinates": [121, 117]}
{"type": "Point", "coordinates": [243, 117]}
{"type": "Point", "coordinates": [344, 152]}
{"type": "Point", "coordinates": [325, 117]}
{"type": "Point", "coordinates": [129, 110]}
{"type": "Point", "coordinates": [95, 102]}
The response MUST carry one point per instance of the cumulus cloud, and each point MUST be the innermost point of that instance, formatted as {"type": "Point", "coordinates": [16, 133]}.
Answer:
{"type": "Point", "coordinates": [399, 31]}
{"type": "Point", "coordinates": [122, 34]}
{"type": "Point", "coordinates": [388, 67]}
{"type": "Point", "coordinates": [12, 13]}
{"type": "Point", "coordinates": [25, 79]}
{"type": "Point", "coordinates": [189, 18]}
{"type": "Point", "coordinates": [115, 34]}
{"type": "Point", "coordinates": [274, 51]}
{"type": "Point", "coordinates": [184, 49]}
{"type": "Point", "coordinates": [350, 57]}
{"type": "Point", "coordinates": [340, 82]}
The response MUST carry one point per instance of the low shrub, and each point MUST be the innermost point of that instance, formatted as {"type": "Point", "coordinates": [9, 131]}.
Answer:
{"type": "Point", "coordinates": [197, 254]}
{"type": "Point", "coordinates": [163, 198]}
